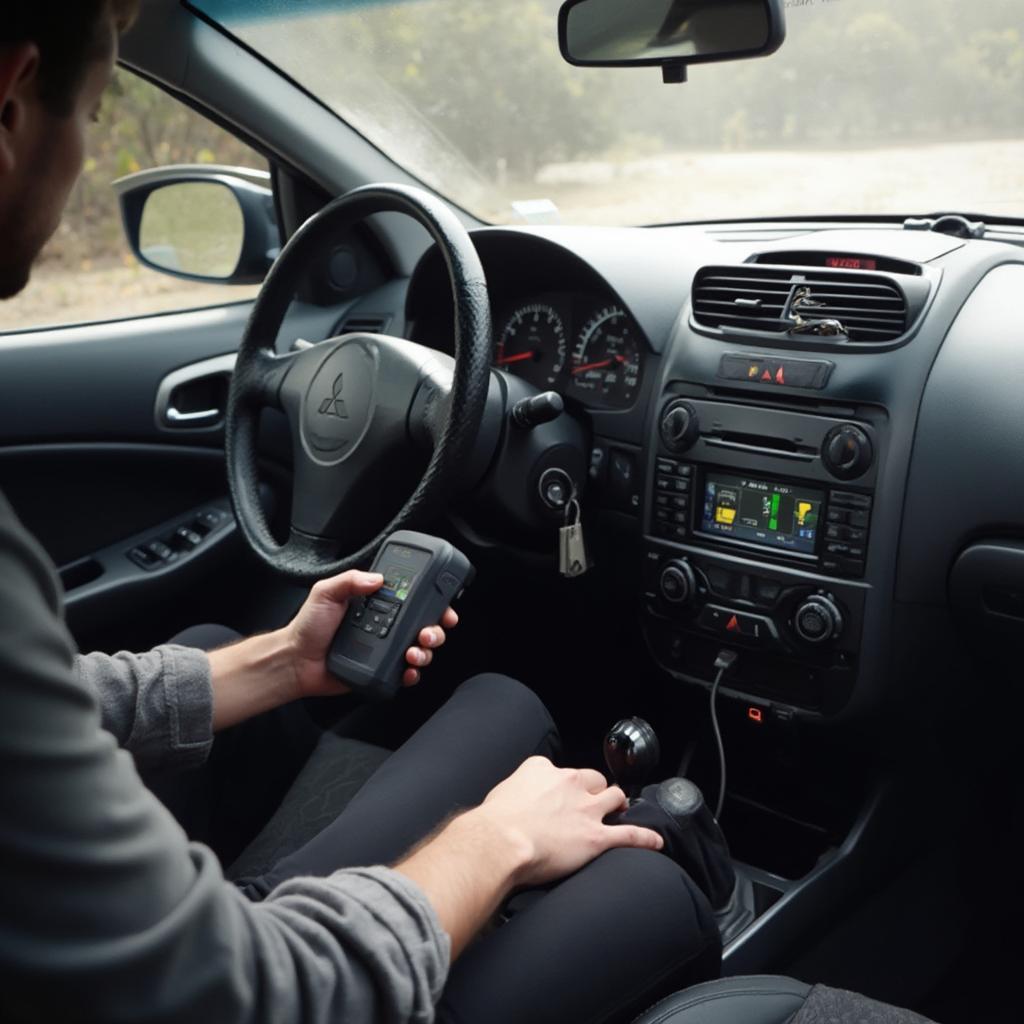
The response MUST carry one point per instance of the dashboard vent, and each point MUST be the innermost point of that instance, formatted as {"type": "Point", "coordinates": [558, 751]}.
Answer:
{"type": "Point", "coordinates": [364, 323]}
{"type": "Point", "coordinates": [872, 308]}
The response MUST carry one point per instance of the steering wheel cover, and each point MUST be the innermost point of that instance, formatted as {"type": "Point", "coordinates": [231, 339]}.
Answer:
{"type": "Point", "coordinates": [308, 558]}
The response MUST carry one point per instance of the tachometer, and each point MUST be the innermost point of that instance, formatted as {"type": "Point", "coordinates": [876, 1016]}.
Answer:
{"type": "Point", "coordinates": [605, 365]}
{"type": "Point", "coordinates": [532, 345]}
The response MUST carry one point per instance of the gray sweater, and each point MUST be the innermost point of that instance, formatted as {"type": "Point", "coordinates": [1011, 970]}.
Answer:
{"type": "Point", "coordinates": [107, 911]}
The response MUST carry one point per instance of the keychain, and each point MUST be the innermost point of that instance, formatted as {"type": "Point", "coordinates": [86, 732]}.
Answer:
{"type": "Point", "coordinates": [572, 551]}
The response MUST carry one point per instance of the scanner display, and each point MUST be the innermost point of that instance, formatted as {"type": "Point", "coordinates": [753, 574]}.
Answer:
{"type": "Point", "coordinates": [400, 565]}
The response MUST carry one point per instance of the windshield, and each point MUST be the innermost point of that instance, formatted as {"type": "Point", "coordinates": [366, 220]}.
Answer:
{"type": "Point", "coordinates": [870, 107]}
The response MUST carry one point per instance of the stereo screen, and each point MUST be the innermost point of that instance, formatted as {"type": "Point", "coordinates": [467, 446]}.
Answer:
{"type": "Point", "coordinates": [765, 512]}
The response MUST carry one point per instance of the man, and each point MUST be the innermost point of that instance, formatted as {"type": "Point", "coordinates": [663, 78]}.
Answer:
{"type": "Point", "coordinates": [108, 912]}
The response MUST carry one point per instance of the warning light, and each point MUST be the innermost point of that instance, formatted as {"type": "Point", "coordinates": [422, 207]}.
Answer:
{"type": "Point", "coordinates": [780, 377]}
{"type": "Point", "coordinates": [767, 375]}
{"type": "Point", "coordinates": [753, 371]}
{"type": "Point", "coordinates": [733, 625]}
{"type": "Point", "coordinates": [755, 715]}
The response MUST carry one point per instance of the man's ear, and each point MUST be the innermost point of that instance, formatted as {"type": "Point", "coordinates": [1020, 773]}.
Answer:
{"type": "Point", "coordinates": [19, 66]}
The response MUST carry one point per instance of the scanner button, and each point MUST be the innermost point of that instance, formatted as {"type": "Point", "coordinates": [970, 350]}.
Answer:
{"type": "Point", "coordinates": [448, 582]}
{"type": "Point", "coordinates": [377, 605]}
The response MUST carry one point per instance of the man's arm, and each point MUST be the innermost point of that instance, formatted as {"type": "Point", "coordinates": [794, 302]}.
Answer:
{"type": "Point", "coordinates": [164, 706]}
{"type": "Point", "coordinates": [109, 912]}
{"type": "Point", "coordinates": [540, 824]}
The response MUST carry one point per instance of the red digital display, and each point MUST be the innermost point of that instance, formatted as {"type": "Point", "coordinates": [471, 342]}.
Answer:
{"type": "Point", "coordinates": [851, 262]}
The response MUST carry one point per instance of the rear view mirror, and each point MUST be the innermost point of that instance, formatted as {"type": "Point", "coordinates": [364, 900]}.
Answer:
{"type": "Point", "coordinates": [200, 223]}
{"type": "Point", "coordinates": [669, 33]}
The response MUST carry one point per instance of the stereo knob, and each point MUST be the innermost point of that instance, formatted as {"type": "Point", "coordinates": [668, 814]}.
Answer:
{"type": "Point", "coordinates": [818, 620]}
{"type": "Point", "coordinates": [847, 451]}
{"type": "Point", "coordinates": [680, 426]}
{"type": "Point", "coordinates": [677, 583]}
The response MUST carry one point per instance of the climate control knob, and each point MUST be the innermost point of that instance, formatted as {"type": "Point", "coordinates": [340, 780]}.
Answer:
{"type": "Point", "coordinates": [679, 425]}
{"type": "Point", "coordinates": [677, 582]}
{"type": "Point", "coordinates": [818, 620]}
{"type": "Point", "coordinates": [847, 451]}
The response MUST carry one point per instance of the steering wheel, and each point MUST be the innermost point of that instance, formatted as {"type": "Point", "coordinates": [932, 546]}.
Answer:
{"type": "Point", "coordinates": [355, 402]}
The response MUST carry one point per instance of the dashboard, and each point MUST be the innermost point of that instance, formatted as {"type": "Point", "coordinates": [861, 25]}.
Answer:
{"type": "Point", "coordinates": [585, 347]}
{"type": "Point", "coordinates": [775, 415]}
{"type": "Point", "coordinates": [556, 325]}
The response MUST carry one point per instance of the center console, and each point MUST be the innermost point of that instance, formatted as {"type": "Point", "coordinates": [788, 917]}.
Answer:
{"type": "Point", "coordinates": [758, 537]}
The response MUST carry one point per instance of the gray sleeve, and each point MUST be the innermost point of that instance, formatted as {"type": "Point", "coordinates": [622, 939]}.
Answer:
{"type": "Point", "coordinates": [109, 913]}
{"type": "Point", "coordinates": [158, 705]}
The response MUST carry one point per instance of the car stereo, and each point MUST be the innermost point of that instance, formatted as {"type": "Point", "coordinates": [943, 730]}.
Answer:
{"type": "Point", "coordinates": [785, 519]}
{"type": "Point", "coordinates": [762, 512]}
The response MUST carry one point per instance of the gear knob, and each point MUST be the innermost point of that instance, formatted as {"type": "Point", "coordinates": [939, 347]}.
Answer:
{"type": "Point", "coordinates": [632, 752]}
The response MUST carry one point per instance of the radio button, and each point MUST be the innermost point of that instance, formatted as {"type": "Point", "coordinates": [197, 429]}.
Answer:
{"type": "Point", "coordinates": [818, 620]}
{"type": "Point", "coordinates": [679, 426]}
{"type": "Point", "coordinates": [850, 499]}
{"type": "Point", "coordinates": [677, 582]}
{"type": "Point", "coordinates": [847, 451]}
{"type": "Point", "coordinates": [767, 590]}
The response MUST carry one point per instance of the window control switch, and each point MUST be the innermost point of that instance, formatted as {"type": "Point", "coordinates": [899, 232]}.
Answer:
{"type": "Point", "coordinates": [186, 538]}
{"type": "Point", "coordinates": [162, 552]}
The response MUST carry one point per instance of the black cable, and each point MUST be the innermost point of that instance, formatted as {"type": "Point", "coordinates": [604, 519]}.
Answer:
{"type": "Point", "coordinates": [724, 662]}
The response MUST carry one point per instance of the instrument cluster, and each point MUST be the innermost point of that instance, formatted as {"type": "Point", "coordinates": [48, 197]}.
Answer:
{"type": "Point", "coordinates": [584, 348]}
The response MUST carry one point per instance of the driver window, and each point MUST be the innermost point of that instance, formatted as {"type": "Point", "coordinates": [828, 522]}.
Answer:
{"type": "Point", "coordinates": [86, 273]}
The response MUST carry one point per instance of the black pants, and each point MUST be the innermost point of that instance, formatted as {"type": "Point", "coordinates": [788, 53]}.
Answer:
{"type": "Point", "coordinates": [602, 944]}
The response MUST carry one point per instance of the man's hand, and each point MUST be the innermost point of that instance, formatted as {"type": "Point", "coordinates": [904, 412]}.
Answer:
{"type": "Point", "coordinates": [540, 824]}
{"type": "Point", "coordinates": [557, 814]}
{"type": "Point", "coordinates": [272, 669]}
{"type": "Point", "coordinates": [310, 633]}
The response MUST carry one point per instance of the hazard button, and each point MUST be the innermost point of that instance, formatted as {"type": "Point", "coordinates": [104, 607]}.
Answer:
{"type": "Point", "coordinates": [756, 629]}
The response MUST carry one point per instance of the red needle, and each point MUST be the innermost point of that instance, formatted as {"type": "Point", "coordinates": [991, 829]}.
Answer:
{"type": "Point", "coordinates": [518, 358]}
{"type": "Point", "coordinates": [598, 366]}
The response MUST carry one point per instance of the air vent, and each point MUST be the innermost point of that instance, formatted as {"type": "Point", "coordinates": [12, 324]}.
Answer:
{"type": "Point", "coordinates": [872, 308]}
{"type": "Point", "coordinates": [363, 323]}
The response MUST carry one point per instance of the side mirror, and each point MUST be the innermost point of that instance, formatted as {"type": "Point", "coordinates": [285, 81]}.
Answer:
{"type": "Point", "coordinates": [669, 33]}
{"type": "Point", "coordinates": [202, 222]}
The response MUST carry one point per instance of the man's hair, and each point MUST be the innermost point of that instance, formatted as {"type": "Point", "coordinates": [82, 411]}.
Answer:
{"type": "Point", "coordinates": [70, 36]}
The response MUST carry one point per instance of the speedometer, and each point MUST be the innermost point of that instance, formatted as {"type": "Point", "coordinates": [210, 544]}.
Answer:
{"type": "Point", "coordinates": [532, 345]}
{"type": "Point", "coordinates": [605, 365]}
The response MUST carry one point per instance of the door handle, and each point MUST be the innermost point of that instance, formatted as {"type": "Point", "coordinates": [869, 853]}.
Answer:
{"type": "Point", "coordinates": [193, 418]}
{"type": "Point", "coordinates": [205, 383]}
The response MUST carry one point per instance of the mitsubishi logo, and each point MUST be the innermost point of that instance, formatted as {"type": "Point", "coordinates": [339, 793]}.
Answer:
{"type": "Point", "coordinates": [335, 405]}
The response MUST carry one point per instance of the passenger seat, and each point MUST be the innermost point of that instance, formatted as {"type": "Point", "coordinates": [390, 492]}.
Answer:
{"type": "Point", "coordinates": [772, 1000]}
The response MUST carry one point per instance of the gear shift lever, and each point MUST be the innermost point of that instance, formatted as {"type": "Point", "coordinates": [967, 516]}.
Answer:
{"type": "Point", "coordinates": [632, 752]}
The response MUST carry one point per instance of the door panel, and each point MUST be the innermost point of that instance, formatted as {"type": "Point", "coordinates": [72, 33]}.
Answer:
{"type": "Point", "coordinates": [88, 464]}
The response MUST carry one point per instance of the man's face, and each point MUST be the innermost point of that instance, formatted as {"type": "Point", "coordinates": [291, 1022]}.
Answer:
{"type": "Point", "coordinates": [47, 152]}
